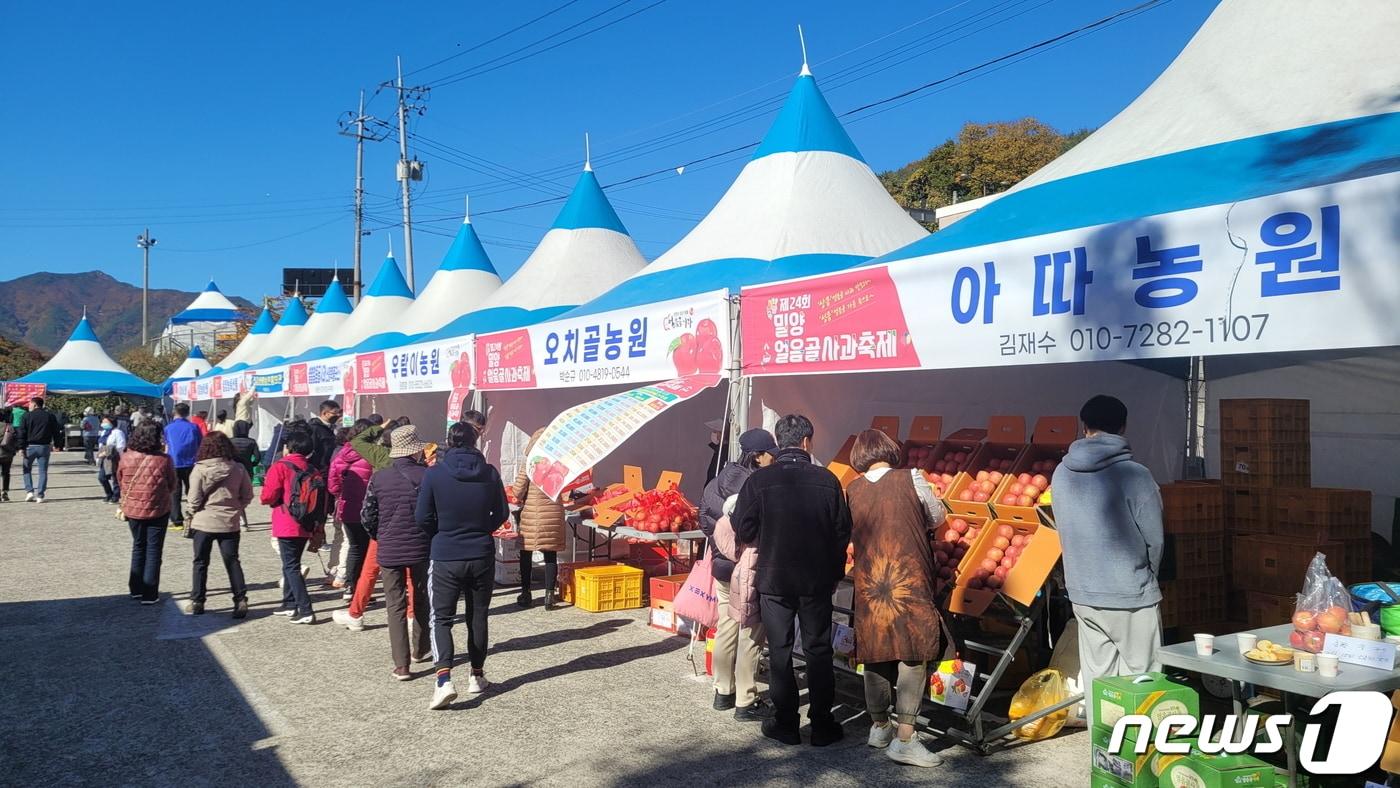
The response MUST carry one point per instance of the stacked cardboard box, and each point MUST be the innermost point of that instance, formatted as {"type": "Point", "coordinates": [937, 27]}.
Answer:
{"type": "Point", "coordinates": [1194, 568]}
{"type": "Point", "coordinates": [1110, 699]}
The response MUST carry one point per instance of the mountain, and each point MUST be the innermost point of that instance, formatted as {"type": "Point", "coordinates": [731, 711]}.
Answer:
{"type": "Point", "coordinates": [41, 309]}
{"type": "Point", "coordinates": [18, 360]}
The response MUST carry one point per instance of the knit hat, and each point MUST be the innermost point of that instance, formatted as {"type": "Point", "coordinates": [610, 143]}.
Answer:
{"type": "Point", "coordinates": [757, 441]}
{"type": "Point", "coordinates": [404, 442]}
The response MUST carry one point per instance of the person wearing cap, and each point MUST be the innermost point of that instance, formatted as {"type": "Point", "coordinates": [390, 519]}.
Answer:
{"type": "Point", "coordinates": [388, 513]}
{"type": "Point", "coordinates": [738, 644]}
{"type": "Point", "coordinates": [719, 448]}
{"type": "Point", "coordinates": [90, 426]}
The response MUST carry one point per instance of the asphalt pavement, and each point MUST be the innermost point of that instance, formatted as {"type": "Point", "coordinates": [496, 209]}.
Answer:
{"type": "Point", "coordinates": [98, 690]}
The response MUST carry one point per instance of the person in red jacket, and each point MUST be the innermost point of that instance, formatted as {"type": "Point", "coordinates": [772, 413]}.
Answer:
{"type": "Point", "coordinates": [201, 420]}
{"type": "Point", "coordinates": [291, 536]}
{"type": "Point", "coordinates": [146, 477]}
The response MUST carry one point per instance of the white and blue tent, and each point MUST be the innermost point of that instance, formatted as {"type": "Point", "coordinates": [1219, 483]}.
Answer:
{"type": "Point", "coordinates": [81, 366]}
{"type": "Point", "coordinates": [210, 314]}
{"type": "Point", "coordinates": [322, 328]}
{"type": "Point", "coordinates": [284, 334]}
{"type": "Point", "coordinates": [586, 251]}
{"type": "Point", "coordinates": [465, 279]}
{"type": "Point", "coordinates": [250, 347]}
{"type": "Point", "coordinates": [194, 365]}
{"type": "Point", "coordinates": [383, 304]}
{"type": "Point", "coordinates": [807, 203]}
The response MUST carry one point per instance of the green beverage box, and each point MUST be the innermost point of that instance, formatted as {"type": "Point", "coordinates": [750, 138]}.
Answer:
{"type": "Point", "coordinates": [1199, 770]}
{"type": "Point", "coordinates": [1152, 694]}
{"type": "Point", "coordinates": [1124, 767]}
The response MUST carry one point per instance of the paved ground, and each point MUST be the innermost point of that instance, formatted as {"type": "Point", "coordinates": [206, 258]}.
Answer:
{"type": "Point", "coordinates": [98, 690]}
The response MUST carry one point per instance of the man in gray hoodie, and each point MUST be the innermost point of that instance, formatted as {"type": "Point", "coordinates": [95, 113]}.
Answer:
{"type": "Point", "coordinates": [1108, 511]}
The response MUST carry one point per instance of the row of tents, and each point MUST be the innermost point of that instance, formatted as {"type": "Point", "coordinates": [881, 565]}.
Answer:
{"type": "Point", "coordinates": [1267, 100]}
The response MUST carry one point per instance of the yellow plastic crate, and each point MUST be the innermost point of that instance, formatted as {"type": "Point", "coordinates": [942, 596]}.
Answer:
{"type": "Point", "coordinates": [604, 588]}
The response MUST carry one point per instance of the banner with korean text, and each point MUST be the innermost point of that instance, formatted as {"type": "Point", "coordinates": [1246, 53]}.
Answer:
{"type": "Point", "coordinates": [583, 435]}
{"type": "Point", "coordinates": [683, 336]}
{"type": "Point", "coordinates": [1310, 269]}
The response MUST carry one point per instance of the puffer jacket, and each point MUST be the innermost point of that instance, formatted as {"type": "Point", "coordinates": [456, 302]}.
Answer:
{"type": "Point", "coordinates": [367, 445]}
{"type": "Point", "coordinates": [277, 490]}
{"type": "Point", "coordinates": [347, 480]}
{"type": "Point", "coordinates": [730, 479]}
{"type": "Point", "coordinates": [743, 593]}
{"type": "Point", "coordinates": [542, 524]}
{"type": "Point", "coordinates": [391, 498]}
{"type": "Point", "coordinates": [244, 447]}
{"type": "Point", "coordinates": [219, 491]}
{"type": "Point", "coordinates": [147, 481]}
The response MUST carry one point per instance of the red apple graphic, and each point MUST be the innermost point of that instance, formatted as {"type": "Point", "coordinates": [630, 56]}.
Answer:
{"type": "Point", "coordinates": [683, 351]}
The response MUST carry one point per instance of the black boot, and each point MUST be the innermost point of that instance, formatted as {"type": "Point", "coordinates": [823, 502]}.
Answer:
{"type": "Point", "coordinates": [551, 583]}
{"type": "Point", "coordinates": [526, 564]}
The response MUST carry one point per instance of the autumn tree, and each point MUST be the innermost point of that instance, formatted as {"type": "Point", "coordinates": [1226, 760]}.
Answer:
{"type": "Point", "coordinates": [150, 366]}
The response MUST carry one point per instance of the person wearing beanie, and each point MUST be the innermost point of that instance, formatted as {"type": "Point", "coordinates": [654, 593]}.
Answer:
{"type": "Point", "coordinates": [738, 643]}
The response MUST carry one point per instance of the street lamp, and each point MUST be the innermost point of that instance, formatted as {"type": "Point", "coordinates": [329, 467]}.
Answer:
{"type": "Point", "coordinates": [145, 242]}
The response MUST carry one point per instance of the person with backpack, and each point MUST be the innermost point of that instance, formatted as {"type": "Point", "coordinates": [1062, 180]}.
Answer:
{"type": "Point", "coordinates": [461, 503]}
{"type": "Point", "coordinates": [296, 492]}
{"type": "Point", "coordinates": [9, 447]}
{"type": "Point", "coordinates": [147, 480]}
{"type": "Point", "coordinates": [388, 515]}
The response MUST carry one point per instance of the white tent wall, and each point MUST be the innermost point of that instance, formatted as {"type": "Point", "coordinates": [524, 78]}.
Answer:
{"type": "Point", "coordinates": [1355, 417]}
{"type": "Point", "coordinates": [676, 440]}
{"type": "Point", "coordinates": [840, 405]}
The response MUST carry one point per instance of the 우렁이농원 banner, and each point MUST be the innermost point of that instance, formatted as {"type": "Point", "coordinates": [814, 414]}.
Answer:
{"type": "Point", "coordinates": [581, 436]}
{"type": "Point", "coordinates": [1308, 269]}
{"type": "Point", "coordinates": [431, 366]}
{"type": "Point", "coordinates": [676, 338]}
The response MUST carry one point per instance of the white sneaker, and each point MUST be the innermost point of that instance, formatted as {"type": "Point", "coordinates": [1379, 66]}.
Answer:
{"type": "Point", "coordinates": [343, 618]}
{"type": "Point", "coordinates": [39, 499]}
{"type": "Point", "coordinates": [477, 684]}
{"type": "Point", "coordinates": [912, 752]}
{"type": "Point", "coordinates": [309, 618]}
{"type": "Point", "coordinates": [29, 497]}
{"type": "Point", "coordinates": [881, 736]}
{"type": "Point", "coordinates": [443, 695]}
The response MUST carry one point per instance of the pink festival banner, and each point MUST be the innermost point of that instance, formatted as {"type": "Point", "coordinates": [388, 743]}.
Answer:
{"type": "Point", "coordinates": [843, 322]}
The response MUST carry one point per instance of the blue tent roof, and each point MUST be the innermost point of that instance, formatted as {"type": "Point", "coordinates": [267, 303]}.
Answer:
{"type": "Point", "coordinates": [587, 207]}
{"type": "Point", "coordinates": [294, 314]}
{"type": "Point", "coordinates": [806, 123]}
{"type": "Point", "coordinates": [389, 281]}
{"type": "Point", "coordinates": [264, 323]}
{"type": "Point", "coordinates": [195, 352]}
{"type": "Point", "coordinates": [466, 252]}
{"type": "Point", "coordinates": [334, 301]}
{"type": "Point", "coordinates": [212, 288]}
{"type": "Point", "coordinates": [83, 332]}
{"type": "Point", "coordinates": [76, 380]}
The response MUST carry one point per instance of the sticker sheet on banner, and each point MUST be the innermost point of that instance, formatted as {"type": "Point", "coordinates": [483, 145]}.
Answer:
{"type": "Point", "coordinates": [583, 435]}
{"type": "Point", "coordinates": [1305, 270]}
{"type": "Point", "coordinates": [684, 336]}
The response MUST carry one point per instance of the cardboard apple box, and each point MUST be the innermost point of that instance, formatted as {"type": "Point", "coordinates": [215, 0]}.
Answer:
{"type": "Point", "coordinates": [888, 425]}
{"type": "Point", "coordinates": [1025, 579]}
{"type": "Point", "coordinates": [1050, 441]}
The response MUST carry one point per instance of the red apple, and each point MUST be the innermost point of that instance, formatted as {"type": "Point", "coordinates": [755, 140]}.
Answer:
{"type": "Point", "coordinates": [958, 525]}
{"type": "Point", "coordinates": [1025, 500]}
{"type": "Point", "coordinates": [1008, 562]}
{"type": "Point", "coordinates": [995, 554]}
{"type": "Point", "coordinates": [1304, 620]}
{"type": "Point", "coordinates": [983, 476]}
{"type": "Point", "coordinates": [1006, 531]}
{"type": "Point", "coordinates": [989, 565]}
{"type": "Point", "coordinates": [993, 582]}
{"type": "Point", "coordinates": [1328, 622]}
{"type": "Point", "coordinates": [1001, 572]}
{"type": "Point", "coordinates": [1024, 478]}
{"type": "Point", "coordinates": [996, 477]}
{"type": "Point", "coordinates": [1313, 641]}
{"type": "Point", "coordinates": [1018, 540]}
{"type": "Point", "coordinates": [1001, 542]}
{"type": "Point", "coordinates": [974, 583]}
{"type": "Point", "coordinates": [1295, 639]}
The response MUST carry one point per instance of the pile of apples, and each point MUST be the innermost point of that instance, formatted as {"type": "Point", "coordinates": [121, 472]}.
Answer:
{"type": "Point", "coordinates": [1001, 465]}
{"type": "Point", "coordinates": [1311, 627]}
{"type": "Point", "coordinates": [940, 482]}
{"type": "Point", "coordinates": [952, 462]}
{"type": "Point", "coordinates": [662, 511]}
{"type": "Point", "coordinates": [1025, 490]}
{"type": "Point", "coordinates": [980, 489]}
{"type": "Point", "coordinates": [1005, 550]}
{"type": "Point", "coordinates": [950, 544]}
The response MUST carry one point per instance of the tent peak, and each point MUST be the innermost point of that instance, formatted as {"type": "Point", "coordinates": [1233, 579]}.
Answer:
{"type": "Point", "coordinates": [467, 209]}
{"type": "Point", "coordinates": [806, 123]}
{"type": "Point", "coordinates": [802, 42]}
{"type": "Point", "coordinates": [212, 287]}
{"type": "Point", "coordinates": [333, 301]}
{"type": "Point", "coordinates": [588, 207]}
{"type": "Point", "coordinates": [587, 154]}
{"type": "Point", "coordinates": [389, 281]}
{"type": "Point", "coordinates": [195, 352]}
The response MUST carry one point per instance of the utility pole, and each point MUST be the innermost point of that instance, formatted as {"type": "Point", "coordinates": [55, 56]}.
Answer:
{"type": "Point", "coordinates": [145, 242]}
{"type": "Point", "coordinates": [378, 130]}
{"type": "Point", "coordinates": [408, 170]}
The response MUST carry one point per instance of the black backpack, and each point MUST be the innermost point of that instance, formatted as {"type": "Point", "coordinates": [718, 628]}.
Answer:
{"type": "Point", "coordinates": [307, 501]}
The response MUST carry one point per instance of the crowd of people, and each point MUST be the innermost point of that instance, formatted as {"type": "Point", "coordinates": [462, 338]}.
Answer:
{"type": "Point", "coordinates": [777, 529]}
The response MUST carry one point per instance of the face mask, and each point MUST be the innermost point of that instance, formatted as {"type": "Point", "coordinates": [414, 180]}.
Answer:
{"type": "Point", "coordinates": [106, 425]}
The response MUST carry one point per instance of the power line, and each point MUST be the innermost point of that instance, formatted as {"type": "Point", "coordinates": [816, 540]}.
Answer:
{"type": "Point", "coordinates": [493, 39]}
{"type": "Point", "coordinates": [257, 243]}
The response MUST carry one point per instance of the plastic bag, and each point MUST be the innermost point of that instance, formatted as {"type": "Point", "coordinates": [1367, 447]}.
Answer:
{"type": "Point", "coordinates": [1321, 609]}
{"type": "Point", "coordinates": [1041, 690]}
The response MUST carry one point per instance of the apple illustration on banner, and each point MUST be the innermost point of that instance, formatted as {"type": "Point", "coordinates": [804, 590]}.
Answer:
{"type": "Point", "coordinates": [698, 352]}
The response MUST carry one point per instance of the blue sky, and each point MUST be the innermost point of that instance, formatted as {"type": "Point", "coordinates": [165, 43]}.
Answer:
{"type": "Point", "coordinates": [215, 124]}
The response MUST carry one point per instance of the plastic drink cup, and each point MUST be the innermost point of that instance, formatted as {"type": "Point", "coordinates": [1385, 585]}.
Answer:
{"type": "Point", "coordinates": [1205, 644]}
{"type": "Point", "coordinates": [1247, 641]}
{"type": "Point", "coordinates": [1327, 666]}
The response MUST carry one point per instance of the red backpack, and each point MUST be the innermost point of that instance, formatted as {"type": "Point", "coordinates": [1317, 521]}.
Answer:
{"type": "Point", "coordinates": [306, 502]}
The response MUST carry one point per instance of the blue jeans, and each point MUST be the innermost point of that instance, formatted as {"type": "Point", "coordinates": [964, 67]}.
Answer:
{"type": "Point", "coordinates": [147, 545]}
{"type": "Point", "coordinates": [294, 595]}
{"type": "Point", "coordinates": [39, 454]}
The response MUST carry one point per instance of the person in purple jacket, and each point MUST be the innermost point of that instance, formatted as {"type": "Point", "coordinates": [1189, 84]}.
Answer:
{"type": "Point", "coordinates": [182, 440]}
